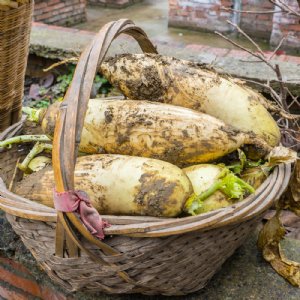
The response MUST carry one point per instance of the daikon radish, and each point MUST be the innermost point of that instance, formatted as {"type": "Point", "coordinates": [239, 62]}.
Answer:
{"type": "Point", "coordinates": [167, 132]}
{"type": "Point", "coordinates": [183, 83]}
{"type": "Point", "coordinates": [118, 185]}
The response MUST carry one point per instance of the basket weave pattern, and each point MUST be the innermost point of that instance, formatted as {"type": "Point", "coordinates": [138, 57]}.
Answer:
{"type": "Point", "coordinates": [146, 255]}
{"type": "Point", "coordinates": [169, 265]}
{"type": "Point", "coordinates": [15, 26]}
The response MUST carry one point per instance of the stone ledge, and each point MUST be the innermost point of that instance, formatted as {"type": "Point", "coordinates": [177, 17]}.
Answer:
{"type": "Point", "coordinates": [54, 42]}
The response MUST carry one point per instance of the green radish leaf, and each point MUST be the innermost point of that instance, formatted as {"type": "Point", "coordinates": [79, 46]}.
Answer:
{"type": "Point", "coordinates": [243, 164]}
{"type": "Point", "coordinates": [228, 183]}
{"type": "Point", "coordinates": [251, 164]}
{"type": "Point", "coordinates": [234, 187]}
{"type": "Point", "coordinates": [242, 158]}
{"type": "Point", "coordinates": [32, 113]}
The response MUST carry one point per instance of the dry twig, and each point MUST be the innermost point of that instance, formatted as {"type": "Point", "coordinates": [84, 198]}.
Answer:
{"type": "Point", "coordinates": [63, 62]}
{"type": "Point", "coordinates": [284, 9]}
{"type": "Point", "coordinates": [288, 123]}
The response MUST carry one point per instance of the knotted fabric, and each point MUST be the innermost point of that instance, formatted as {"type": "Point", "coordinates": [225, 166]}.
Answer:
{"type": "Point", "coordinates": [79, 202]}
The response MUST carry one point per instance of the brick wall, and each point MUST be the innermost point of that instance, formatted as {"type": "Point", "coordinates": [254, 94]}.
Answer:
{"type": "Point", "coordinates": [208, 15]}
{"type": "Point", "coordinates": [287, 25]}
{"type": "Point", "coordinates": [200, 14]}
{"type": "Point", "coordinates": [113, 3]}
{"type": "Point", "coordinates": [257, 25]}
{"type": "Point", "coordinates": [58, 12]}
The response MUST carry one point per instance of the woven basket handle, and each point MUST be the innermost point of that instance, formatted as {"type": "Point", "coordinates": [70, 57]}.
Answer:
{"type": "Point", "coordinates": [72, 111]}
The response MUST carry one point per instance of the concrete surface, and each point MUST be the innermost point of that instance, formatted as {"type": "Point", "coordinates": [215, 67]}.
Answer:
{"type": "Point", "coordinates": [60, 42]}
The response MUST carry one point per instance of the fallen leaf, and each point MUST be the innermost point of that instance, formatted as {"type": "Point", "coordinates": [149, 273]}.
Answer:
{"type": "Point", "coordinates": [34, 91]}
{"type": "Point", "coordinates": [47, 81]}
{"type": "Point", "coordinates": [281, 154]}
{"type": "Point", "coordinates": [269, 242]}
{"type": "Point", "coordinates": [273, 231]}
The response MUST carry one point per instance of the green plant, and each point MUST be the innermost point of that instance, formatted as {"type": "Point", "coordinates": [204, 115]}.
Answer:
{"type": "Point", "coordinates": [65, 80]}
{"type": "Point", "coordinates": [100, 87]}
{"type": "Point", "coordinates": [43, 103]}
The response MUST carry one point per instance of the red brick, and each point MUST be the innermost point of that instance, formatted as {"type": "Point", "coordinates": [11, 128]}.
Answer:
{"type": "Point", "coordinates": [294, 27]}
{"type": "Point", "coordinates": [293, 59]}
{"type": "Point", "coordinates": [40, 5]}
{"type": "Point", "coordinates": [48, 9]}
{"type": "Point", "coordinates": [282, 57]}
{"type": "Point", "coordinates": [39, 24]}
{"type": "Point", "coordinates": [14, 265]}
{"type": "Point", "coordinates": [226, 3]}
{"type": "Point", "coordinates": [19, 287]}
{"type": "Point", "coordinates": [267, 54]}
{"type": "Point", "coordinates": [267, 4]}
{"type": "Point", "coordinates": [219, 51]}
{"type": "Point", "coordinates": [196, 47]}
{"type": "Point", "coordinates": [200, 14]}
{"type": "Point", "coordinates": [264, 17]}
{"type": "Point", "coordinates": [49, 294]}
{"type": "Point", "coordinates": [238, 53]}
{"type": "Point", "coordinates": [26, 285]}
{"type": "Point", "coordinates": [11, 295]}
{"type": "Point", "coordinates": [183, 13]}
{"type": "Point", "coordinates": [59, 12]}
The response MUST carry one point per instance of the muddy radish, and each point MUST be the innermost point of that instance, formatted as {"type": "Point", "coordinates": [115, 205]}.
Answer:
{"type": "Point", "coordinates": [179, 82]}
{"type": "Point", "coordinates": [118, 184]}
{"type": "Point", "coordinates": [167, 132]}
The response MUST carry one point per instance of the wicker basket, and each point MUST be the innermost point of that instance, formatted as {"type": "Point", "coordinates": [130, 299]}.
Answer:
{"type": "Point", "coordinates": [139, 254]}
{"type": "Point", "coordinates": [15, 26]}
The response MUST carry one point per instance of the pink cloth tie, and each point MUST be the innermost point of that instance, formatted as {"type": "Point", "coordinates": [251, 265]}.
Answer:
{"type": "Point", "coordinates": [79, 202]}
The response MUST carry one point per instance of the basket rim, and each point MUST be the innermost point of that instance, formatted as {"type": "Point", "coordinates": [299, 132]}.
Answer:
{"type": "Point", "coordinates": [144, 226]}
